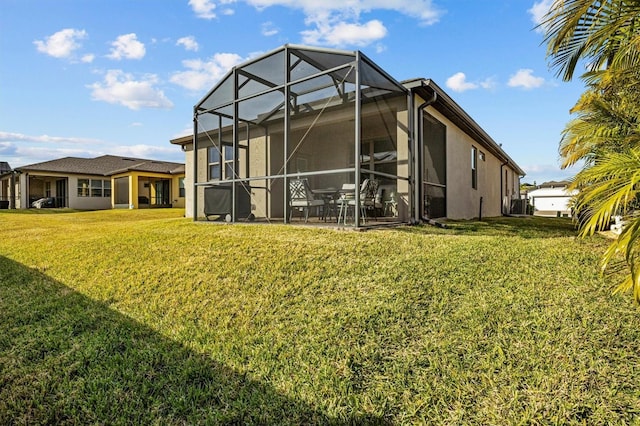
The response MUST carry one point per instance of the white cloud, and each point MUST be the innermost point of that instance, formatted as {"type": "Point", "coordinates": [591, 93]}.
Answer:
{"type": "Point", "coordinates": [189, 43]}
{"type": "Point", "coordinates": [121, 88]}
{"type": "Point", "coordinates": [186, 131]}
{"type": "Point", "coordinates": [61, 44]}
{"type": "Point", "coordinates": [458, 83]}
{"type": "Point", "coordinates": [87, 59]}
{"type": "Point", "coordinates": [127, 46]}
{"type": "Point", "coordinates": [488, 83]}
{"type": "Point", "coordinates": [344, 34]}
{"type": "Point", "coordinates": [541, 173]}
{"type": "Point", "coordinates": [148, 151]}
{"type": "Point", "coordinates": [20, 137]}
{"type": "Point", "coordinates": [202, 75]}
{"type": "Point", "coordinates": [21, 155]}
{"type": "Point", "coordinates": [524, 78]}
{"type": "Point", "coordinates": [423, 10]}
{"type": "Point", "coordinates": [538, 12]}
{"type": "Point", "coordinates": [203, 8]}
{"type": "Point", "coordinates": [334, 22]}
{"type": "Point", "coordinates": [268, 29]}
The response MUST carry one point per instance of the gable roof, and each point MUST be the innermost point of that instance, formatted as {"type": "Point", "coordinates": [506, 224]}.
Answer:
{"type": "Point", "coordinates": [105, 165]}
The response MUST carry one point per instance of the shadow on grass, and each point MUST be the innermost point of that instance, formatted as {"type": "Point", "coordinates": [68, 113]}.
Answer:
{"type": "Point", "coordinates": [522, 227]}
{"type": "Point", "coordinates": [65, 358]}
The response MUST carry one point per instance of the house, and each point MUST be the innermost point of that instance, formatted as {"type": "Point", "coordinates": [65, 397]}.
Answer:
{"type": "Point", "coordinates": [337, 121]}
{"type": "Point", "coordinates": [551, 199]}
{"type": "Point", "coordinates": [6, 185]}
{"type": "Point", "coordinates": [100, 183]}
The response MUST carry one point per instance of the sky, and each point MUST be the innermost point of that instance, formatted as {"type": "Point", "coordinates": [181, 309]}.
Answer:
{"type": "Point", "coordinates": [85, 78]}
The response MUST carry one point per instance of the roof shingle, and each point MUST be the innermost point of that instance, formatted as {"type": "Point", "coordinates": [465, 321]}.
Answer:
{"type": "Point", "coordinates": [105, 165]}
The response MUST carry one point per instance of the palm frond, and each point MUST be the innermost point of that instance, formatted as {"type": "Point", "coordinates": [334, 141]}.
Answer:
{"type": "Point", "coordinates": [596, 31]}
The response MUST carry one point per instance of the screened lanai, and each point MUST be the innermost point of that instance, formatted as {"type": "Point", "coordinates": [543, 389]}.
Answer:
{"type": "Point", "coordinates": [304, 135]}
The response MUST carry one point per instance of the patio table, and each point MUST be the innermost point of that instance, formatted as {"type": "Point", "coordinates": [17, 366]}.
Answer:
{"type": "Point", "coordinates": [328, 195]}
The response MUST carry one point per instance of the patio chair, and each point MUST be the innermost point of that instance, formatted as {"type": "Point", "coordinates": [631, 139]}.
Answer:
{"type": "Point", "coordinates": [301, 198]}
{"type": "Point", "coordinates": [368, 190]}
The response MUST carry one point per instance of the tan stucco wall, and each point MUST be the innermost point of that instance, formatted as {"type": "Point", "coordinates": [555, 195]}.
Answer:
{"type": "Point", "coordinates": [74, 202]}
{"type": "Point", "coordinates": [324, 144]}
{"type": "Point", "coordinates": [136, 187]}
{"type": "Point", "coordinates": [463, 201]}
{"type": "Point", "coordinates": [327, 138]}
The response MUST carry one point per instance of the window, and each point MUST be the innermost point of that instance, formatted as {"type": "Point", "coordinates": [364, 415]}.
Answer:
{"type": "Point", "coordinates": [380, 156]}
{"type": "Point", "coordinates": [215, 162]}
{"type": "Point", "coordinates": [181, 191]}
{"type": "Point", "coordinates": [94, 188]}
{"type": "Point", "coordinates": [83, 187]}
{"type": "Point", "coordinates": [474, 167]}
{"type": "Point", "coordinates": [228, 161]}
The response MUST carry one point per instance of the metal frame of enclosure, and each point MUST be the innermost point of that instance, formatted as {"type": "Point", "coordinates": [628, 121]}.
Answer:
{"type": "Point", "coordinates": [332, 117]}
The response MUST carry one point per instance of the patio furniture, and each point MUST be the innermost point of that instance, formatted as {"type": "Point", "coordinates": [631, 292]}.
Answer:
{"type": "Point", "coordinates": [347, 201]}
{"type": "Point", "coordinates": [301, 198]}
{"type": "Point", "coordinates": [328, 195]}
{"type": "Point", "coordinates": [391, 205]}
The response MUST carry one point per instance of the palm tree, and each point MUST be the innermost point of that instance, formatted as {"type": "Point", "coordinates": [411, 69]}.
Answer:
{"type": "Point", "coordinates": [606, 120]}
{"type": "Point", "coordinates": [612, 186]}
{"type": "Point", "coordinates": [603, 33]}
{"type": "Point", "coordinates": [605, 134]}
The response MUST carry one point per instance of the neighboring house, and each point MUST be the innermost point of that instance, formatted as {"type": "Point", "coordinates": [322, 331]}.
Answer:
{"type": "Point", "coordinates": [7, 186]}
{"type": "Point", "coordinates": [334, 118]}
{"type": "Point", "coordinates": [102, 183]}
{"type": "Point", "coordinates": [551, 199]}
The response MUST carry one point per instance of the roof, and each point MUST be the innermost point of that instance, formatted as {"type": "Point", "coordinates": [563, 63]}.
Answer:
{"type": "Point", "coordinates": [558, 191]}
{"type": "Point", "coordinates": [428, 89]}
{"type": "Point", "coordinates": [4, 168]}
{"type": "Point", "coordinates": [267, 72]}
{"type": "Point", "coordinates": [105, 165]}
{"type": "Point", "coordinates": [554, 184]}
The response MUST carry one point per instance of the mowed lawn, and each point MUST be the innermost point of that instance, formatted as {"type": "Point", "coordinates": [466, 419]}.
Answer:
{"type": "Point", "coordinates": [144, 317]}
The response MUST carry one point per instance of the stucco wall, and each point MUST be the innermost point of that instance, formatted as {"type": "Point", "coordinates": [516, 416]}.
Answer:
{"type": "Point", "coordinates": [32, 187]}
{"type": "Point", "coordinates": [463, 201]}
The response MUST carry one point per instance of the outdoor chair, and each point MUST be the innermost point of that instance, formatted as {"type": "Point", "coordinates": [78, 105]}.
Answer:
{"type": "Point", "coordinates": [391, 205]}
{"type": "Point", "coordinates": [301, 198]}
{"type": "Point", "coordinates": [368, 190]}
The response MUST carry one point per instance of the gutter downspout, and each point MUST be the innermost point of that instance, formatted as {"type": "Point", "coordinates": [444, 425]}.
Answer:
{"type": "Point", "coordinates": [420, 154]}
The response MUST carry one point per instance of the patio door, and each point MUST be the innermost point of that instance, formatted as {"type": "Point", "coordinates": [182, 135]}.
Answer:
{"type": "Point", "coordinates": [162, 197]}
{"type": "Point", "coordinates": [61, 193]}
{"type": "Point", "coordinates": [434, 168]}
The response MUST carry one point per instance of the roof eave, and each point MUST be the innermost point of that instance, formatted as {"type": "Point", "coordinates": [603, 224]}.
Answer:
{"type": "Point", "coordinates": [450, 109]}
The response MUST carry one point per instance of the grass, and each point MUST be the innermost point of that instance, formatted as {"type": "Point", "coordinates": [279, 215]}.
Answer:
{"type": "Point", "coordinates": [145, 317]}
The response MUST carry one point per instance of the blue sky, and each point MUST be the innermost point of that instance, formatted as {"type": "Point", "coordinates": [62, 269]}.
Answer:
{"type": "Point", "coordinates": [85, 78]}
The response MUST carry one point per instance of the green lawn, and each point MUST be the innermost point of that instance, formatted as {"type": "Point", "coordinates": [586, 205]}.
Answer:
{"type": "Point", "coordinates": [144, 317]}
